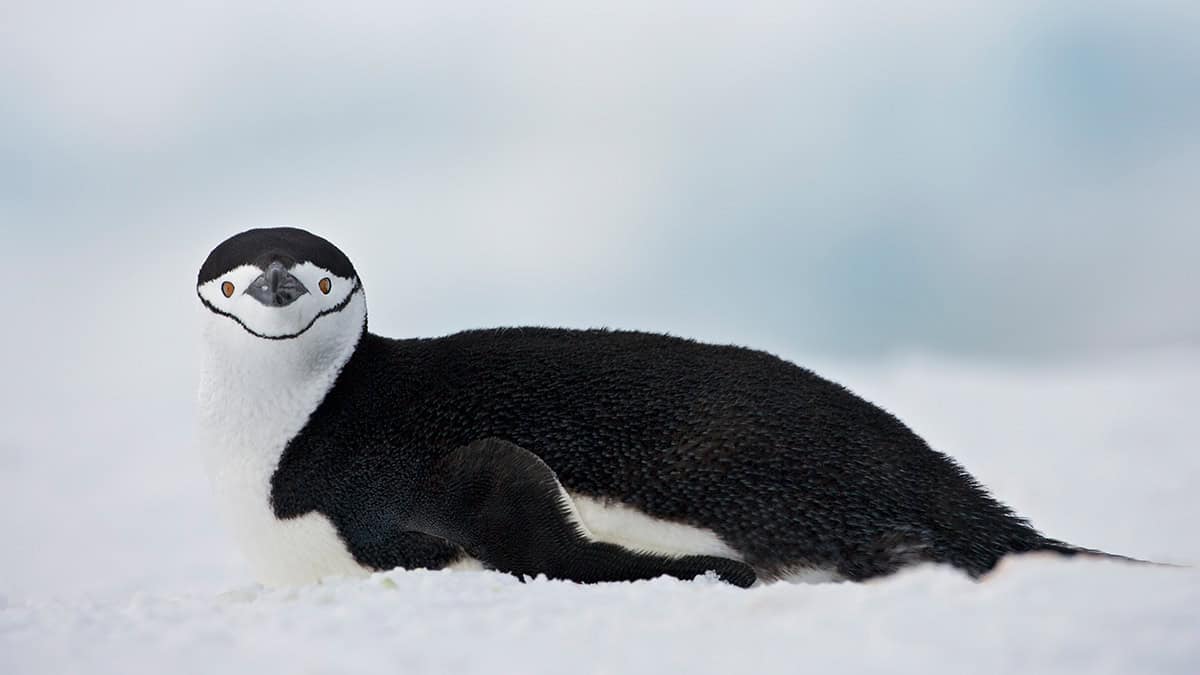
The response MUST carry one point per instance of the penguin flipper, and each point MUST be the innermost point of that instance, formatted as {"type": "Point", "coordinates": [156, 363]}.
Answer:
{"type": "Point", "coordinates": [505, 507]}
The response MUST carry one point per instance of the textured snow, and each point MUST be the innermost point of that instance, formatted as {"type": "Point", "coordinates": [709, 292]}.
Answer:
{"type": "Point", "coordinates": [113, 563]}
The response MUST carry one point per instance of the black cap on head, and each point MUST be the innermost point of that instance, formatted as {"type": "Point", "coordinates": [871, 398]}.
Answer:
{"type": "Point", "coordinates": [263, 246]}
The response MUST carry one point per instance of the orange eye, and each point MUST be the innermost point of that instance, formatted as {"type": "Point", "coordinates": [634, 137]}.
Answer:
{"type": "Point", "coordinates": [227, 289]}
{"type": "Point", "coordinates": [325, 285]}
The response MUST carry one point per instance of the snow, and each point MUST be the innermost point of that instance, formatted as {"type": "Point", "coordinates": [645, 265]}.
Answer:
{"type": "Point", "coordinates": [113, 563]}
{"type": "Point", "coordinates": [1034, 616]}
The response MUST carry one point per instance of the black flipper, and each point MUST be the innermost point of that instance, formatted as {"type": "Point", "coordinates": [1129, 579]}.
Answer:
{"type": "Point", "coordinates": [505, 506]}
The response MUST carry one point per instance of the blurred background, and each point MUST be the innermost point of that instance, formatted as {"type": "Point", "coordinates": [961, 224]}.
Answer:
{"type": "Point", "coordinates": [1007, 185]}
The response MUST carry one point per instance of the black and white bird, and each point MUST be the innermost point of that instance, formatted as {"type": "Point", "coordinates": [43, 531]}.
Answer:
{"type": "Point", "coordinates": [589, 455]}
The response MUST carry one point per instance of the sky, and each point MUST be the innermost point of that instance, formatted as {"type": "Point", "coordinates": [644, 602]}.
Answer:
{"type": "Point", "coordinates": [830, 178]}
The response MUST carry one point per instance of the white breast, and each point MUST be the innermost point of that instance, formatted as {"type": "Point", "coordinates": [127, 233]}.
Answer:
{"type": "Point", "coordinates": [255, 395]}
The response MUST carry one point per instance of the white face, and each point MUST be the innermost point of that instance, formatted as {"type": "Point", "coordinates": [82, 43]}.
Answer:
{"type": "Point", "coordinates": [275, 342]}
{"type": "Point", "coordinates": [231, 297]}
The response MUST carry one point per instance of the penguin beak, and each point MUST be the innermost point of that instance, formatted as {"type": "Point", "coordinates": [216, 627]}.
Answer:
{"type": "Point", "coordinates": [276, 287]}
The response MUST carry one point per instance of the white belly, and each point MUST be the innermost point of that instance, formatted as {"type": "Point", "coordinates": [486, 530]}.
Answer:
{"type": "Point", "coordinates": [616, 523]}
{"type": "Point", "coordinates": [287, 552]}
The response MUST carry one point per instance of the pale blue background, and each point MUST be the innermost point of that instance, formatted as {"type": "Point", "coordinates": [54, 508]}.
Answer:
{"type": "Point", "coordinates": [1017, 179]}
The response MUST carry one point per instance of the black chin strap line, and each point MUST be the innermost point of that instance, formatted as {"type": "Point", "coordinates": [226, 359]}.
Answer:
{"type": "Point", "coordinates": [336, 308]}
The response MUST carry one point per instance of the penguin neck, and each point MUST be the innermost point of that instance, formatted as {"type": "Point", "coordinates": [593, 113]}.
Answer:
{"type": "Point", "coordinates": [257, 394]}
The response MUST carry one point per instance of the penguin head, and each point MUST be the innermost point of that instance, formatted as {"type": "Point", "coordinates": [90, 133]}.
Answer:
{"type": "Point", "coordinates": [281, 284]}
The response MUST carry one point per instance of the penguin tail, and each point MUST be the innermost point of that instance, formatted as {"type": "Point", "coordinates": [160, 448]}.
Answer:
{"type": "Point", "coordinates": [1063, 548]}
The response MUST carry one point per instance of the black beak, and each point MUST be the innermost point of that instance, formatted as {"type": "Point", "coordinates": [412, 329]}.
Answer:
{"type": "Point", "coordinates": [276, 287]}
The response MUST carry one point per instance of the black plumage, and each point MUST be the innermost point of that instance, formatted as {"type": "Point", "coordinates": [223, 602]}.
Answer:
{"type": "Point", "coordinates": [789, 469]}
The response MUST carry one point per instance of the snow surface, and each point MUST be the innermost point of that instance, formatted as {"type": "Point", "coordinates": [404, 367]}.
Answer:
{"type": "Point", "coordinates": [113, 562]}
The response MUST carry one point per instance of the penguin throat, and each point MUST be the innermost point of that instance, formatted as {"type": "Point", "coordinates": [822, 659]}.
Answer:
{"type": "Point", "coordinates": [256, 394]}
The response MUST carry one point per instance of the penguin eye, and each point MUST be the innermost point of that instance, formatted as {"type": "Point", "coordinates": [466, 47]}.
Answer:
{"type": "Point", "coordinates": [227, 289]}
{"type": "Point", "coordinates": [325, 285]}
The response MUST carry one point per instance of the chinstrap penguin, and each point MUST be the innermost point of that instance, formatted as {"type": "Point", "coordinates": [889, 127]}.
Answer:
{"type": "Point", "coordinates": [588, 455]}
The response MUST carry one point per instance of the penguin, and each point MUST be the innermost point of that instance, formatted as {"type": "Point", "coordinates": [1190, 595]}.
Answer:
{"type": "Point", "coordinates": [584, 455]}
